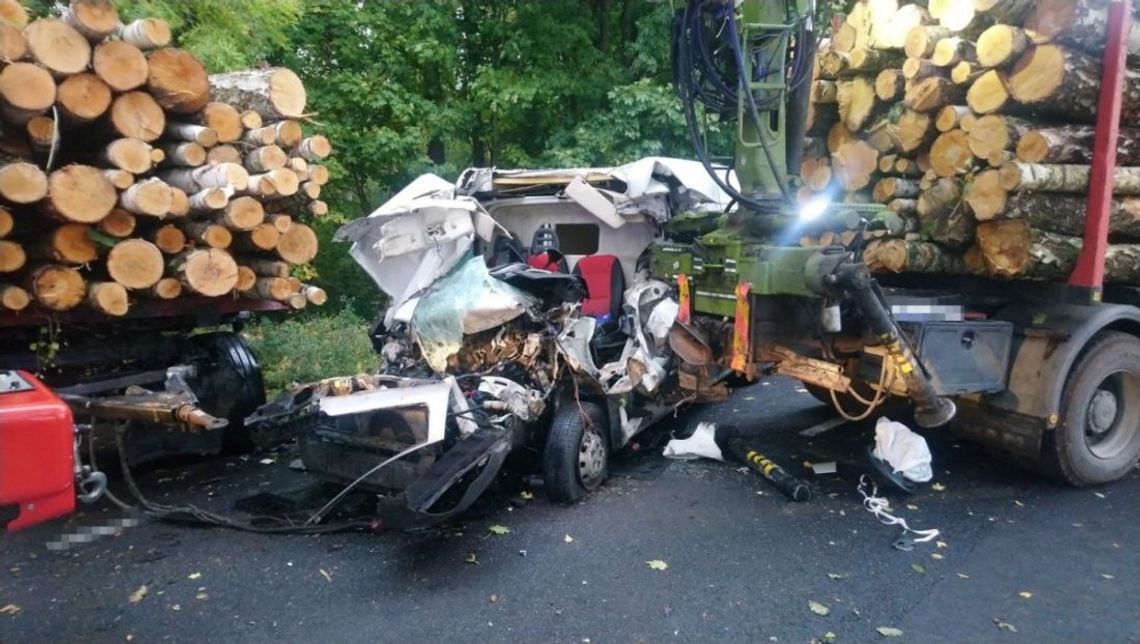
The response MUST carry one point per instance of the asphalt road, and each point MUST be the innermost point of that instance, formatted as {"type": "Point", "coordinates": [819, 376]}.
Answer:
{"type": "Point", "coordinates": [1020, 559]}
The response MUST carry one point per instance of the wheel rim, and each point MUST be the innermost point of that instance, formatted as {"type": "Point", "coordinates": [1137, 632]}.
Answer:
{"type": "Point", "coordinates": [591, 459]}
{"type": "Point", "coordinates": [1112, 417]}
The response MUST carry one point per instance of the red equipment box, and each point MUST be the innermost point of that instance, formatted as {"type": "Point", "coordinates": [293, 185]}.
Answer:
{"type": "Point", "coordinates": [37, 480]}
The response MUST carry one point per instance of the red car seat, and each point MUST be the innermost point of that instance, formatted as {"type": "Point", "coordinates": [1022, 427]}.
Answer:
{"type": "Point", "coordinates": [605, 284]}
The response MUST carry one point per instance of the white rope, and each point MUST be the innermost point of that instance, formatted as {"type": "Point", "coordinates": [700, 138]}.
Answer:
{"type": "Point", "coordinates": [879, 507]}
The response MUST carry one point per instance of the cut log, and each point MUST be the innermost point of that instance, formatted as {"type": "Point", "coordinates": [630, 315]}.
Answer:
{"type": "Point", "coordinates": [13, 46]}
{"type": "Point", "coordinates": [287, 134]}
{"type": "Point", "coordinates": [57, 46]}
{"type": "Point", "coordinates": [998, 158]}
{"type": "Point", "coordinates": [58, 288]}
{"type": "Point", "coordinates": [264, 237]}
{"type": "Point", "coordinates": [857, 102]}
{"type": "Point", "coordinates": [179, 202]}
{"type": "Point", "coordinates": [914, 131]}
{"type": "Point", "coordinates": [243, 213]}
{"type": "Point", "coordinates": [280, 221]}
{"type": "Point", "coordinates": [932, 93]}
{"type": "Point", "coordinates": [13, 14]}
{"type": "Point", "coordinates": [900, 256]}
{"type": "Point", "coordinates": [1065, 82]}
{"type": "Point", "coordinates": [1000, 45]}
{"type": "Point", "coordinates": [150, 197]}
{"type": "Point", "coordinates": [985, 196]}
{"type": "Point", "coordinates": [22, 183]}
{"type": "Point", "coordinates": [916, 69]}
{"type": "Point", "coordinates": [189, 132]}
{"type": "Point", "coordinates": [208, 199]}
{"type": "Point", "coordinates": [121, 179]}
{"type": "Point", "coordinates": [317, 147]}
{"type": "Point", "coordinates": [822, 91]}
{"type": "Point", "coordinates": [223, 119]}
{"type": "Point", "coordinates": [136, 115]}
{"type": "Point", "coordinates": [246, 279]}
{"type": "Point", "coordinates": [177, 80]}
{"type": "Point", "coordinates": [41, 133]}
{"type": "Point", "coordinates": [871, 61]}
{"type": "Point", "coordinates": [121, 65]}
{"type": "Point", "coordinates": [1065, 213]}
{"type": "Point", "coordinates": [135, 263]}
{"type": "Point", "coordinates": [208, 233]}
{"type": "Point", "coordinates": [7, 223]}
{"type": "Point", "coordinates": [80, 193]}
{"type": "Point", "coordinates": [920, 41]}
{"type": "Point", "coordinates": [130, 155]}
{"type": "Point", "coordinates": [317, 208]}
{"type": "Point", "coordinates": [949, 117]}
{"type": "Point", "coordinates": [832, 64]}
{"type": "Point", "coordinates": [95, 19]}
{"type": "Point", "coordinates": [12, 256]}
{"type": "Point", "coordinates": [989, 93]}
{"type": "Point", "coordinates": [167, 288]}
{"type": "Point", "coordinates": [298, 245]}
{"type": "Point", "coordinates": [889, 188]}
{"type": "Point", "coordinates": [1014, 249]}
{"type": "Point", "coordinates": [222, 175]}
{"type": "Point", "coordinates": [261, 136]}
{"type": "Point", "coordinates": [820, 118]}
{"type": "Point", "coordinates": [955, 15]}
{"type": "Point", "coordinates": [274, 93]}
{"type": "Point", "coordinates": [147, 33]}
{"type": "Point", "coordinates": [854, 163]}
{"type": "Point", "coordinates": [268, 267]}
{"type": "Point", "coordinates": [119, 223]}
{"type": "Point", "coordinates": [965, 73]}
{"type": "Point", "coordinates": [273, 288]}
{"type": "Point", "coordinates": [312, 190]}
{"type": "Point", "coordinates": [285, 182]}
{"type": "Point", "coordinates": [887, 163]}
{"type": "Point", "coordinates": [297, 301]}
{"type": "Point", "coordinates": [315, 294]}
{"type": "Point", "coordinates": [950, 154]}
{"type": "Point", "coordinates": [261, 186]}
{"type": "Point", "coordinates": [210, 272]}
{"type": "Point", "coordinates": [1074, 144]}
{"type": "Point", "coordinates": [993, 133]}
{"type": "Point", "coordinates": [169, 239]}
{"type": "Point", "coordinates": [1080, 24]}
{"type": "Point", "coordinates": [903, 207]}
{"type": "Point", "coordinates": [951, 51]}
{"type": "Point", "coordinates": [1011, 12]}
{"type": "Point", "coordinates": [265, 159]}
{"type": "Point", "coordinates": [184, 154]}
{"type": "Point", "coordinates": [843, 39]}
{"type": "Point", "coordinates": [1064, 178]}
{"type": "Point", "coordinates": [889, 84]}
{"type": "Point", "coordinates": [251, 120]}
{"type": "Point", "coordinates": [108, 297]}
{"type": "Point", "coordinates": [223, 154]}
{"type": "Point", "coordinates": [942, 217]}
{"type": "Point", "coordinates": [14, 298]}
{"type": "Point", "coordinates": [320, 173]}
{"type": "Point", "coordinates": [26, 91]}
{"type": "Point", "coordinates": [68, 244]}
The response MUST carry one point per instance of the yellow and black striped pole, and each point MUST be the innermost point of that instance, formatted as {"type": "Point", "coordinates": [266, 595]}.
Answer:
{"type": "Point", "coordinates": [792, 487]}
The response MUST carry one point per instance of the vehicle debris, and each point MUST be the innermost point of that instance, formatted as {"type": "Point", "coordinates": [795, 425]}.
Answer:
{"type": "Point", "coordinates": [702, 444]}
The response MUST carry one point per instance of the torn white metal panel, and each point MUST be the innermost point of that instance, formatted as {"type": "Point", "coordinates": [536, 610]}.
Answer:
{"type": "Point", "coordinates": [595, 202]}
{"type": "Point", "coordinates": [574, 345]}
{"type": "Point", "coordinates": [422, 186]}
{"type": "Point", "coordinates": [436, 397]}
{"type": "Point", "coordinates": [642, 179]}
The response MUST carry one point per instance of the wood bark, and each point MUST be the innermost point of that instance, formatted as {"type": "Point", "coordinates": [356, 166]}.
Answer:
{"type": "Point", "coordinates": [1064, 214]}
{"type": "Point", "coordinates": [317, 147]}
{"type": "Point", "coordinates": [265, 159]}
{"type": "Point", "coordinates": [901, 256]}
{"type": "Point", "coordinates": [889, 84]}
{"type": "Point", "coordinates": [1012, 249]}
{"type": "Point", "coordinates": [1074, 144]}
{"type": "Point", "coordinates": [317, 208]}
{"type": "Point", "coordinates": [121, 179]}
{"type": "Point", "coordinates": [80, 193]}
{"type": "Point", "coordinates": [210, 272]}
{"type": "Point", "coordinates": [57, 46]}
{"type": "Point", "coordinates": [916, 69]}
{"type": "Point", "coordinates": [1066, 83]}
{"type": "Point", "coordinates": [189, 155]}
{"type": "Point", "coordinates": [822, 91]}
{"type": "Point", "coordinates": [889, 188]}
{"type": "Point", "coordinates": [223, 154]}
{"type": "Point", "coordinates": [22, 183]}
{"type": "Point", "coordinates": [832, 64]}
{"type": "Point", "coordinates": [1080, 24]}
{"type": "Point", "coordinates": [135, 263]}
{"type": "Point", "coordinates": [989, 93]}
{"type": "Point", "coordinates": [26, 91]}
{"type": "Point", "coordinates": [274, 93]}
{"type": "Point", "coordinates": [146, 33]}
{"type": "Point", "coordinates": [857, 102]}
{"type": "Point", "coordinates": [280, 221]}
{"type": "Point", "coordinates": [868, 61]}
{"type": "Point", "coordinates": [1064, 178]}
{"type": "Point", "coordinates": [273, 288]}
{"type": "Point", "coordinates": [58, 288]}
{"type": "Point", "coordinates": [208, 199]}
{"type": "Point", "coordinates": [268, 267]}
{"type": "Point", "coordinates": [942, 216]}
{"type": "Point", "coordinates": [821, 117]}
{"type": "Point", "coordinates": [200, 134]}
{"type": "Point", "coordinates": [315, 294]}
{"type": "Point", "coordinates": [223, 175]}
{"type": "Point", "coordinates": [287, 134]}
{"type": "Point", "coordinates": [965, 73]}
{"type": "Point", "coordinates": [1012, 12]}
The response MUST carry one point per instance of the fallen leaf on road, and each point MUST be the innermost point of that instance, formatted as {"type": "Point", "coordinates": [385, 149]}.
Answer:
{"type": "Point", "coordinates": [941, 544]}
{"type": "Point", "coordinates": [194, 575]}
{"type": "Point", "coordinates": [1078, 525]}
{"type": "Point", "coordinates": [889, 631]}
{"type": "Point", "coordinates": [1099, 495]}
{"type": "Point", "coordinates": [912, 507]}
{"type": "Point", "coordinates": [938, 487]}
{"type": "Point", "coordinates": [1107, 576]}
{"type": "Point", "coordinates": [657, 564]}
{"type": "Point", "coordinates": [529, 496]}
{"type": "Point", "coordinates": [935, 555]}
{"type": "Point", "coordinates": [498, 530]}
{"type": "Point", "coordinates": [494, 599]}
{"type": "Point", "coordinates": [176, 607]}
{"type": "Point", "coordinates": [568, 539]}
{"type": "Point", "coordinates": [326, 575]}
{"type": "Point", "coordinates": [10, 609]}
{"type": "Point", "coordinates": [1005, 626]}
{"type": "Point", "coordinates": [918, 568]}
{"type": "Point", "coordinates": [962, 576]}
{"type": "Point", "coordinates": [267, 461]}
{"type": "Point", "coordinates": [829, 636]}
{"type": "Point", "coordinates": [201, 597]}
{"type": "Point", "coordinates": [833, 575]}
{"type": "Point", "coordinates": [1018, 503]}
{"type": "Point", "coordinates": [818, 608]}
{"type": "Point", "coordinates": [1025, 594]}
{"type": "Point", "coordinates": [471, 559]}
{"type": "Point", "coordinates": [138, 595]}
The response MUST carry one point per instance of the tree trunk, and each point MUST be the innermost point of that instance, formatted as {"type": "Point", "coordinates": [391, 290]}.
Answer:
{"type": "Point", "coordinates": [1074, 144]}
{"type": "Point", "coordinates": [317, 208]}
{"type": "Point", "coordinates": [208, 199]}
{"type": "Point", "coordinates": [261, 186]}
{"type": "Point", "coordinates": [273, 288]}
{"type": "Point", "coordinates": [223, 175]}
{"type": "Point", "coordinates": [130, 155]}
{"type": "Point", "coordinates": [1007, 11]}
{"type": "Point", "coordinates": [1064, 178]}
{"type": "Point", "coordinates": [261, 136]}
{"type": "Point", "coordinates": [223, 154]}
{"type": "Point", "coordinates": [822, 91]}
{"type": "Point", "coordinates": [13, 46]}
{"type": "Point", "coordinates": [251, 120]}
{"type": "Point", "coordinates": [82, 98]}
{"type": "Point", "coordinates": [119, 224]}
{"type": "Point", "coordinates": [1066, 83]}
{"type": "Point", "coordinates": [58, 288]}
{"type": "Point", "coordinates": [263, 237]}
{"type": "Point", "coordinates": [1079, 24]}
{"type": "Point", "coordinates": [57, 47]}
{"type": "Point", "coordinates": [949, 117]}
{"type": "Point", "coordinates": [989, 94]}
{"type": "Point", "coordinates": [1011, 249]}
{"type": "Point", "coordinates": [67, 244]}
{"type": "Point", "coordinates": [22, 183]}
{"type": "Point", "coordinates": [950, 154]}
{"type": "Point", "coordinates": [150, 197]}
{"type": "Point", "coordinates": [985, 196]}
{"type": "Point", "coordinates": [210, 272]}
{"type": "Point", "coordinates": [210, 234]}
{"type": "Point", "coordinates": [95, 19]}
{"type": "Point", "coordinates": [320, 173]}
{"type": "Point", "coordinates": [121, 179]}
{"type": "Point", "coordinates": [916, 69]}
{"type": "Point", "coordinates": [223, 119]}
{"type": "Point", "coordinates": [108, 297]}
{"type": "Point", "coordinates": [857, 102]}
{"type": "Point", "coordinates": [135, 263]}
{"type": "Point", "coordinates": [942, 217]}
{"type": "Point", "coordinates": [854, 163]}
{"type": "Point", "coordinates": [13, 298]}
{"type": "Point", "coordinates": [993, 133]}
{"type": "Point", "coordinates": [903, 207]}
{"type": "Point", "coordinates": [189, 155]}
{"type": "Point", "coordinates": [1000, 45]}
{"type": "Point", "coordinates": [12, 256]}
{"type": "Point", "coordinates": [167, 288]}
{"type": "Point", "coordinates": [951, 51]}
{"type": "Point", "coordinates": [246, 279]}
{"type": "Point", "coordinates": [907, 168]}
{"type": "Point", "coordinates": [266, 158]}
{"type": "Point", "coordinates": [914, 131]}
{"type": "Point", "coordinates": [315, 294]}
{"type": "Point", "coordinates": [121, 65]}
{"type": "Point", "coordinates": [280, 221]}
{"type": "Point", "coordinates": [136, 115]}
{"type": "Point", "coordinates": [312, 189]}
{"type": "Point", "coordinates": [920, 41]}
{"type": "Point", "coordinates": [872, 61]}
{"type": "Point", "coordinates": [80, 193]}
{"type": "Point", "coordinates": [274, 93]}
{"type": "Point", "coordinates": [41, 133]}
{"type": "Point", "coordinates": [268, 267]}
{"type": "Point", "coordinates": [179, 202]}
{"type": "Point", "coordinates": [889, 84]}
{"type": "Point", "coordinates": [287, 134]}
{"type": "Point", "coordinates": [932, 93]}
{"type": "Point", "coordinates": [177, 80]}
{"type": "Point", "coordinates": [900, 256]}
{"type": "Point", "coordinates": [889, 188]}
{"type": "Point", "coordinates": [285, 182]}
{"type": "Point", "coordinates": [189, 132]}
{"type": "Point", "coordinates": [243, 213]}
{"type": "Point", "coordinates": [26, 91]}
{"type": "Point", "coordinates": [317, 147]}
{"type": "Point", "coordinates": [298, 245]}
{"type": "Point", "coordinates": [169, 239]}
{"type": "Point", "coordinates": [147, 33]}
{"type": "Point", "coordinates": [965, 73]}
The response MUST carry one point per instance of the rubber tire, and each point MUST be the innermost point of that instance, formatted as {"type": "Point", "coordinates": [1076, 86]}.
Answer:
{"type": "Point", "coordinates": [1065, 454]}
{"type": "Point", "coordinates": [229, 383]}
{"type": "Point", "coordinates": [560, 458]}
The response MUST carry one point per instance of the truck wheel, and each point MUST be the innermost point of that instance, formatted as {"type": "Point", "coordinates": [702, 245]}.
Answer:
{"type": "Point", "coordinates": [229, 383]}
{"type": "Point", "coordinates": [576, 459]}
{"type": "Point", "coordinates": [1098, 438]}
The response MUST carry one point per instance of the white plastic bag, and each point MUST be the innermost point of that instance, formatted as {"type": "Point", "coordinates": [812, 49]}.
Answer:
{"type": "Point", "coordinates": [702, 444]}
{"type": "Point", "coordinates": [906, 451]}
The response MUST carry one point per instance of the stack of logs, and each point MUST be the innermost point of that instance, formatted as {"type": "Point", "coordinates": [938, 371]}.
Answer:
{"type": "Point", "coordinates": [127, 172]}
{"type": "Point", "coordinates": [971, 123]}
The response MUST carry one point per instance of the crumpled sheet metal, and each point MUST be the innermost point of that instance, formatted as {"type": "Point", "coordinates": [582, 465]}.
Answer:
{"type": "Point", "coordinates": [468, 300]}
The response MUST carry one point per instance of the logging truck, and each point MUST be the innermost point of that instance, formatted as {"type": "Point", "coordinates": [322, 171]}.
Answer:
{"type": "Point", "coordinates": [959, 234]}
